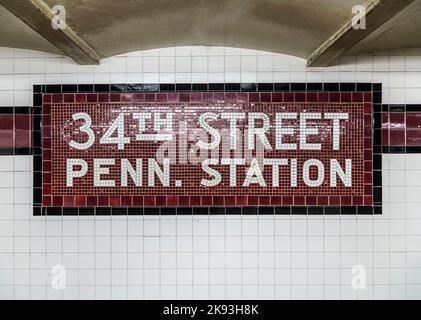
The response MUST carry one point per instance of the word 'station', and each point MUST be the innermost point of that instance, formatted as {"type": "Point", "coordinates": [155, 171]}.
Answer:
{"type": "Point", "coordinates": [208, 149]}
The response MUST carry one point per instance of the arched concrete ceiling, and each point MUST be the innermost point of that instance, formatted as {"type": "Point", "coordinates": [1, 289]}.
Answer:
{"type": "Point", "coordinates": [319, 30]}
{"type": "Point", "coordinates": [291, 27]}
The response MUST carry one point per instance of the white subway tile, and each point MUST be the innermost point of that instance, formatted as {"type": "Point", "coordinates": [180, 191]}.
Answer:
{"type": "Point", "coordinates": [6, 196]}
{"type": "Point", "coordinates": [412, 95]}
{"type": "Point", "coordinates": [167, 78]}
{"type": "Point", "coordinates": [6, 65]}
{"type": "Point", "coordinates": [297, 64]}
{"type": "Point", "coordinates": [232, 64]}
{"type": "Point", "coordinates": [364, 63]}
{"type": "Point", "coordinates": [216, 64]}
{"type": "Point", "coordinates": [150, 64]}
{"type": "Point", "coordinates": [397, 80]}
{"type": "Point", "coordinates": [248, 64]}
{"type": "Point", "coordinates": [6, 82]}
{"type": "Point", "coordinates": [200, 64]}
{"type": "Point", "coordinates": [396, 96]}
{"type": "Point", "coordinates": [69, 66]}
{"type": "Point", "coordinates": [22, 98]}
{"type": "Point", "coordinates": [413, 63]}
{"type": "Point", "coordinates": [37, 65]}
{"type": "Point", "coordinates": [380, 63]}
{"type": "Point", "coordinates": [265, 63]}
{"type": "Point", "coordinates": [22, 195]}
{"type": "Point", "coordinates": [265, 77]}
{"type": "Point", "coordinates": [183, 77]}
{"type": "Point", "coordinates": [183, 64]}
{"type": "Point", "coordinates": [7, 52]}
{"type": "Point", "coordinates": [167, 64]}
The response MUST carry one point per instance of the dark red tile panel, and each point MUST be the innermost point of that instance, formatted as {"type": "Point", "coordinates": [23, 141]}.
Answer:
{"type": "Point", "coordinates": [15, 131]}
{"type": "Point", "coordinates": [186, 106]}
{"type": "Point", "coordinates": [401, 129]}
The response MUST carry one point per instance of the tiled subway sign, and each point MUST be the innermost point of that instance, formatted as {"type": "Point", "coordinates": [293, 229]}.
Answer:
{"type": "Point", "coordinates": [276, 148]}
{"type": "Point", "coordinates": [200, 149]}
{"type": "Point", "coordinates": [159, 151]}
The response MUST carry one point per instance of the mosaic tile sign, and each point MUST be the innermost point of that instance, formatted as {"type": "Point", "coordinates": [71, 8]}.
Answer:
{"type": "Point", "coordinates": [157, 149]}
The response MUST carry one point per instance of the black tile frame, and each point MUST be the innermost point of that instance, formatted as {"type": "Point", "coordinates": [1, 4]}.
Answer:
{"type": "Point", "coordinates": [39, 90]}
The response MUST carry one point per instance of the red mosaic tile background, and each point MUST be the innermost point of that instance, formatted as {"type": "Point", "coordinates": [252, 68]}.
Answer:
{"type": "Point", "coordinates": [58, 130]}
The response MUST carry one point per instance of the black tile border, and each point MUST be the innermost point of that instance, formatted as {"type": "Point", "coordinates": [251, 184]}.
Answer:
{"type": "Point", "coordinates": [211, 87]}
{"type": "Point", "coordinates": [15, 110]}
{"type": "Point", "coordinates": [401, 107]}
{"type": "Point", "coordinates": [211, 210]}
{"type": "Point", "coordinates": [401, 149]}
{"type": "Point", "coordinates": [39, 90]}
{"type": "Point", "coordinates": [376, 149]}
{"type": "Point", "coordinates": [15, 151]}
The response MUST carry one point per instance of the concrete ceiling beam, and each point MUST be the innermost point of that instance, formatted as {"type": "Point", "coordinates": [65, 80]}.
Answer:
{"type": "Point", "coordinates": [39, 16]}
{"type": "Point", "coordinates": [377, 13]}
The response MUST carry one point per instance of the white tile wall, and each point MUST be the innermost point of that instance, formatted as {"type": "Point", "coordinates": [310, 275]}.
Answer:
{"type": "Point", "coordinates": [216, 257]}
